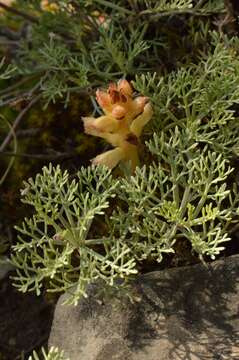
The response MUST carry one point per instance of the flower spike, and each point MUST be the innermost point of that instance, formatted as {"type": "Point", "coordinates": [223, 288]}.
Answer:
{"type": "Point", "coordinates": [121, 126]}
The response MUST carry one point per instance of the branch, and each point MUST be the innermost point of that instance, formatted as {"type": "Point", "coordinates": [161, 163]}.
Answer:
{"type": "Point", "coordinates": [19, 13]}
{"type": "Point", "coordinates": [17, 121]}
{"type": "Point", "coordinates": [49, 157]}
{"type": "Point", "coordinates": [154, 17]}
{"type": "Point", "coordinates": [17, 84]}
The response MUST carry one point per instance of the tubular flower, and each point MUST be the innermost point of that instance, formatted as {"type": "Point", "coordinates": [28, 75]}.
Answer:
{"type": "Point", "coordinates": [121, 126]}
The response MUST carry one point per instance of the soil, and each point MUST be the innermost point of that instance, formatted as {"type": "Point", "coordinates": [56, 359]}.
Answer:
{"type": "Point", "coordinates": [25, 322]}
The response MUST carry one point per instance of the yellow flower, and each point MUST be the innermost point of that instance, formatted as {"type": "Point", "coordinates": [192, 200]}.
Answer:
{"type": "Point", "coordinates": [110, 158]}
{"type": "Point", "coordinates": [47, 5]}
{"type": "Point", "coordinates": [8, 3]}
{"type": "Point", "coordinates": [53, 7]}
{"type": "Point", "coordinates": [123, 122]}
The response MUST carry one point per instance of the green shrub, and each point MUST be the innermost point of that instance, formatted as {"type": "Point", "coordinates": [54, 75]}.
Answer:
{"type": "Point", "coordinates": [97, 224]}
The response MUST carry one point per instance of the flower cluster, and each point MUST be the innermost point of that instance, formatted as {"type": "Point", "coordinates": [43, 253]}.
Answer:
{"type": "Point", "coordinates": [123, 122]}
{"type": "Point", "coordinates": [54, 7]}
{"type": "Point", "coordinates": [49, 6]}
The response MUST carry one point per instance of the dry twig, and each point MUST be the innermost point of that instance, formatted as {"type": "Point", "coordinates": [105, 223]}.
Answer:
{"type": "Point", "coordinates": [19, 13]}
{"type": "Point", "coordinates": [8, 138]}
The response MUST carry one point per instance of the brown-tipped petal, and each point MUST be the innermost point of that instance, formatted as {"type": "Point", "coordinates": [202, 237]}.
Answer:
{"type": "Point", "coordinates": [118, 112]}
{"type": "Point", "coordinates": [112, 87]}
{"type": "Point", "coordinates": [123, 98]}
{"type": "Point", "coordinates": [113, 93]}
{"type": "Point", "coordinates": [110, 158]}
{"type": "Point", "coordinates": [103, 99]}
{"type": "Point", "coordinates": [125, 88]}
{"type": "Point", "coordinates": [115, 96]}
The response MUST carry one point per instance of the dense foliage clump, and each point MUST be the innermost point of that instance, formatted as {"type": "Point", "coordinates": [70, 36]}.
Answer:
{"type": "Point", "coordinates": [89, 222]}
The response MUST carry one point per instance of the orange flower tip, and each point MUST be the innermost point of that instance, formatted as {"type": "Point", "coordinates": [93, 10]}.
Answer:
{"type": "Point", "coordinates": [101, 19]}
{"type": "Point", "coordinates": [125, 88]}
{"type": "Point", "coordinates": [123, 98]}
{"type": "Point", "coordinates": [103, 98]}
{"type": "Point", "coordinates": [112, 87]}
{"type": "Point", "coordinates": [113, 93]}
{"type": "Point", "coordinates": [115, 96]}
{"type": "Point", "coordinates": [119, 112]}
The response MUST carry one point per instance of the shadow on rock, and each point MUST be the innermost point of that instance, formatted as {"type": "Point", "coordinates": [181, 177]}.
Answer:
{"type": "Point", "coordinates": [187, 313]}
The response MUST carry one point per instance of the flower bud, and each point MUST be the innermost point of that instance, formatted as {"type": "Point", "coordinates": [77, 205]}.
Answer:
{"type": "Point", "coordinates": [103, 99]}
{"type": "Point", "coordinates": [118, 112]}
{"type": "Point", "coordinates": [125, 88]}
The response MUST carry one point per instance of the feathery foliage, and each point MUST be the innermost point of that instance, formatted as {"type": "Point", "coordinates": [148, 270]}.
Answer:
{"type": "Point", "coordinates": [95, 225]}
{"type": "Point", "coordinates": [53, 354]}
{"type": "Point", "coordinates": [185, 193]}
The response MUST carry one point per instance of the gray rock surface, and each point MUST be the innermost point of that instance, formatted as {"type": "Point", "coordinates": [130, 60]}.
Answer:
{"type": "Point", "coordinates": [187, 313]}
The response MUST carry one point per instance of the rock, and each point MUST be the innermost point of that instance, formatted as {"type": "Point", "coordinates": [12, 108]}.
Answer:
{"type": "Point", "coordinates": [187, 313]}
